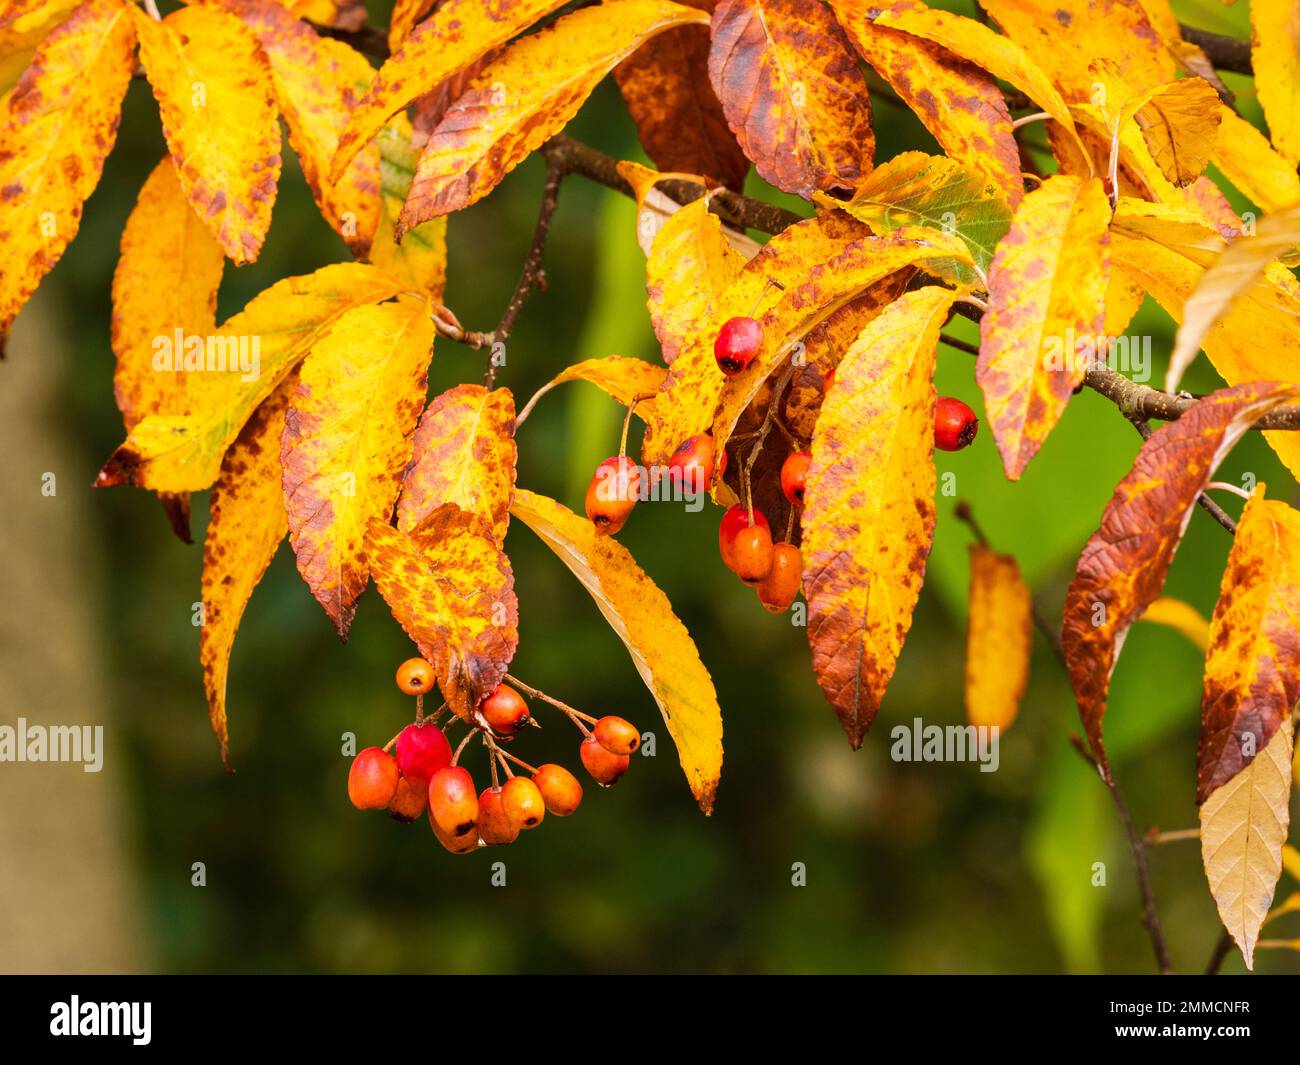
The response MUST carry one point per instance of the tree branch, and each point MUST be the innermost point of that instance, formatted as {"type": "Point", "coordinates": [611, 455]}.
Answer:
{"type": "Point", "coordinates": [1226, 53]}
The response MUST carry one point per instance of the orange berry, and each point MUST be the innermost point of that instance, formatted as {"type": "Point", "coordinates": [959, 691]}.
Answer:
{"type": "Point", "coordinates": [453, 802]}
{"type": "Point", "coordinates": [464, 844]}
{"type": "Point", "coordinates": [733, 521]}
{"type": "Point", "coordinates": [753, 554]}
{"type": "Point", "coordinates": [560, 789]}
{"type": "Point", "coordinates": [415, 676]}
{"type": "Point", "coordinates": [690, 469]}
{"type": "Point", "coordinates": [495, 825]}
{"type": "Point", "coordinates": [604, 766]}
{"type": "Point", "coordinates": [372, 780]}
{"type": "Point", "coordinates": [505, 710]}
{"type": "Point", "coordinates": [613, 493]}
{"type": "Point", "coordinates": [777, 590]}
{"type": "Point", "coordinates": [794, 475]}
{"type": "Point", "coordinates": [408, 800]}
{"type": "Point", "coordinates": [523, 802]}
{"type": "Point", "coordinates": [617, 735]}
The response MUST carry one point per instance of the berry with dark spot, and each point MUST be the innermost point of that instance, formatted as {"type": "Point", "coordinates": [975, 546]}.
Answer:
{"type": "Point", "coordinates": [737, 343]}
{"type": "Point", "coordinates": [955, 424]}
{"type": "Point", "coordinates": [794, 475]}
{"type": "Point", "coordinates": [604, 766]}
{"type": "Point", "coordinates": [617, 735]}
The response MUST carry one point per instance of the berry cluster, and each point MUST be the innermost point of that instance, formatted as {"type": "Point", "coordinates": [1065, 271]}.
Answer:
{"type": "Point", "coordinates": [424, 775]}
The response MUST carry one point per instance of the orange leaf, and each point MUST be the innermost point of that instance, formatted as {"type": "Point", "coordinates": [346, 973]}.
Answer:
{"type": "Point", "coordinates": [999, 638]}
{"type": "Point", "coordinates": [868, 518]}
{"type": "Point", "coordinates": [1123, 565]}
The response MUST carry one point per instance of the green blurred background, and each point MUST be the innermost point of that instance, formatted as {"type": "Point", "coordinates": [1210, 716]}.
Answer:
{"type": "Point", "coordinates": [910, 868]}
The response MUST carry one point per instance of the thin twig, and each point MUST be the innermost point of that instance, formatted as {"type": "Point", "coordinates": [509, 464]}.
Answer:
{"type": "Point", "coordinates": [1221, 949]}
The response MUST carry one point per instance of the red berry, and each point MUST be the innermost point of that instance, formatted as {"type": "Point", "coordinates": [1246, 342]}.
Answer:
{"type": "Point", "coordinates": [453, 802]}
{"type": "Point", "coordinates": [617, 735]}
{"type": "Point", "coordinates": [523, 802]}
{"type": "Point", "coordinates": [613, 492]}
{"type": "Point", "coordinates": [560, 789]}
{"type": "Point", "coordinates": [421, 751]}
{"type": "Point", "coordinates": [794, 475]}
{"type": "Point", "coordinates": [415, 676]}
{"type": "Point", "coordinates": [777, 590]}
{"type": "Point", "coordinates": [738, 342]}
{"type": "Point", "coordinates": [752, 551]}
{"type": "Point", "coordinates": [408, 800]}
{"type": "Point", "coordinates": [604, 766]}
{"type": "Point", "coordinates": [955, 424]}
{"type": "Point", "coordinates": [372, 780]}
{"type": "Point", "coordinates": [495, 826]}
{"type": "Point", "coordinates": [690, 470]}
{"type": "Point", "coordinates": [505, 710]}
{"type": "Point", "coordinates": [735, 519]}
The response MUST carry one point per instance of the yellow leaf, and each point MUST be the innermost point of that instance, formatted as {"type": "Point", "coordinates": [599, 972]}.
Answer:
{"type": "Point", "coordinates": [1181, 617]}
{"type": "Point", "coordinates": [868, 518]}
{"type": "Point", "coordinates": [215, 94]}
{"type": "Point", "coordinates": [421, 258]}
{"type": "Point", "coordinates": [464, 454]}
{"type": "Point", "coordinates": [1243, 828]}
{"type": "Point", "coordinates": [641, 616]}
{"type": "Point", "coordinates": [524, 97]}
{"type": "Point", "coordinates": [1275, 57]}
{"type": "Point", "coordinates": [406, 13]}
{"type": "Point", "coordinates": [451, 589]}
{"type": "Point", "coordinates": [23, 25]}
{"type": "Point", "coordinates": [1237, 269]}
{"type": "Point", "coordinates": [999, 638]}
{"type": "Point", "coordinates": [182, 453]}
{"type": "Point", "coordinates": [347, 440]}
{"type": "Point", "coordinates": [1245, 158]}
{"type": "Point", "coordinates": [792, 92]}
{"type": "Point", "coordinates": [624, 379]}
{"type": "Point", "coordinates": [245, 527]}
{"type": "Point", "coordinates": [1047, 313]}
{"type": "Point", "coordinates": [166, 281]}
{"type": "Point", "coordinates": [454, 36]}
{"type": "Point", "coordinates": [318, 82]}
{"type": "Point", "coordinates": [57, 128]}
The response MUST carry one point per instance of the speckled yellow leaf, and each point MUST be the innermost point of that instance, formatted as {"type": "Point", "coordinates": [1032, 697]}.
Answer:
{"type": "Point", "coordinates": [245, 527]}
{"type": "Point", "coordinates": [453, 37]}
{"type": "Point", "coordinates": [1181, 617]}
{"type": "Point", "coordinates": [166, 280]}
{"type": "Point", "coordinates": [624, 379]}
{"type": "Point", "coordinates": [1275, 57]}
{"type": "Point", "coordinates": [1243, 827]}
{"type": "Point", "coordinates": [406, 13]}
{"type": "Point", "coordinates": [318, 82]}
{"type": "Point", "coordinates": [868, 518]}
{"type": "Point", "coordinates": [421, 258]}
{"type": "Point", "coordinates": [1047, 313]}
{"type": "Point", "coordinates": [465, 454]}
{"type": "Point", "coordinates": [58, 126]}
{"type": "Point", "coordinates": [347, 440]}
{"type": "Point", "coordinates": [641, 616]}
{"type": "Point", "coordinates": [23, 25]}
{"type": "Point", "coordinates": [182, 453]}
{"type": "Point", "coordinates": [452, 590]}
{"type": "Point", "coordinates": [792, 92]}
{"type": "Point", "coordinates": [1245, 158]}
{"type": "Point", "coordinates": [525, 96]}
{"type": "Point", "coordinates": [999, 638]}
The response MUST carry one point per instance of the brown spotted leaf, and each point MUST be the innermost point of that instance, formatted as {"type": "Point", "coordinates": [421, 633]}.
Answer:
{"type": "Point", "coordinates": [792, 93]}
{"type": "Point", "coordinates": [406, 13]}
{"type": "Point", "coordinates": [215, 93]}
{"type": "Point", "coordinates": [57, 127]}
{"type": "Point", "coordinates": [999, 638]}
{"type": "Point", "coordinates": [641, 616]}
{"type": "Point", "coordinates": [245, 527]}
{"type": "Point", "coordinates": [1047, 313]}
{"type": "Point", "coordinates": [1123, 566]}
{"type": "Point", "coordinates": [464, 454]}
{"type": "Point", "coordinates": [451, 589]}
{"type": "Point", "coordinates": [868, 518]}
{"type": "Point", "coordinates": [525, 96]}
{"type": "Point", "coordinates": [347, 440]}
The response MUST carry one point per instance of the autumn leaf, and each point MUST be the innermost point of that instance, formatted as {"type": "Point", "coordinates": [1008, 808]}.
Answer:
{"type": "Point", "coordinates": [347, 440]}
{"type": "Point", "coordinates": [453, 37]}
{"type": "Point", "coordinates": [1275, 58]}
{"type": "Point", "coordinates": [959, 104]}
{"type": "Point", "coordinates": [792, 93]}
{"type": "Point", "coordinates": [451, 589]}
{"type": "Point", "coordinates": [59, 125]}
{"type": "Point", "coordinates": [1123, 566]}
{"type": "Point", "coordinates": [182, 453]}
{"type": "Point", "coordinates": [1245, 158]}
{"type": "Point", "coordinates": [1181, 617]}
{"type": "Point", "coordinates": [465, 454]}
{"type": "Point", "coordinates": [1243, 827]}
{"type": "Point", "coordinates": [623, 378]}
{"type": "Point", "coordinates": [868, 518]}
{"type": "Point", "coordinates": [666, 87]}
{"type": "Point", "coordinates": [217, 100]}
{"type": "Point", "coordinates": [406, 13]}
{"type": "Point", "coordinates": [999, 638]}
{"type": "Point", "coordinates": [318, 82]}
{"type": "Point", "coordinates": [421, 258]}
{"type": "Point", "coordinates": [245, 527]}
{"type": "Point", "coordinates": [524, 97]}
{"type": "Point", "coordinates": [1046, 313]}
{"type": "Point", "coordinates": [641, 616]}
